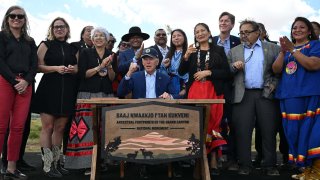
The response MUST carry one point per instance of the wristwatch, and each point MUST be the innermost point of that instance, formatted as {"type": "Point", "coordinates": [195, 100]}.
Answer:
{"type": "Point", "coordinates": [293, 51]}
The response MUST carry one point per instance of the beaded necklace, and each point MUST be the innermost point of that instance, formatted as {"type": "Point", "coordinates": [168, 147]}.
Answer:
{"type": "Point", "coordinates": [103, 71]}
{"type": "Point", "coordinates": [292, 66]}
{"type": "Point", "coordinates": [206, 62]}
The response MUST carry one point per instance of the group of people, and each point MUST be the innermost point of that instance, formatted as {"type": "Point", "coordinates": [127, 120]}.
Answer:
{"type": "Point", "coordinates": [261, 82]}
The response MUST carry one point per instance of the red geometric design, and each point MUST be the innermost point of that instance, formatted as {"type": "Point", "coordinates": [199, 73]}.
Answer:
{"type": "Point", "coordinates": [79, 130]}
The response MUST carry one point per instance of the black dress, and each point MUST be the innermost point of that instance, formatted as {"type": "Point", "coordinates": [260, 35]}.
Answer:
{"type": "Point", "coordinates": [56, 93]}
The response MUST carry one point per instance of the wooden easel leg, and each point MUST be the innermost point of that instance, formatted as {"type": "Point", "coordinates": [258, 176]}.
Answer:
{"type": "Point", "coordinates": [121, 169]}
{"type": "Point", "coordinates": [170, 170]}
{"type": "Point", "coordinates": [205, 166]}
{"type": "Point", "coordinates": [94, 163]}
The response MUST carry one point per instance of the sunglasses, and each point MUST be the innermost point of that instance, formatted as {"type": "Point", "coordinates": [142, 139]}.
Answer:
{"type": "Point", "coordinates": [14, 16]}
{"type": "Point", "coordinates": [59, 27]}
{"type": "Point", "coordinates": [125, 44]}
{"type": "Point", "coordinates": [161, 34]}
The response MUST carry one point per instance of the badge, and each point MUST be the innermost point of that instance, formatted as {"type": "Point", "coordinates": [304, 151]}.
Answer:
{"type": "Point", "coordinates": [291, 67]}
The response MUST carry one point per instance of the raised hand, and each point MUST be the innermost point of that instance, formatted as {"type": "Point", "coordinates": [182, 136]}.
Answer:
{"type": "Point", "coordinates": [166, 62]}
{"type": "Point", "coordinates": [191, 49]}
{"type": "Point", "coordinates": [139, 52]}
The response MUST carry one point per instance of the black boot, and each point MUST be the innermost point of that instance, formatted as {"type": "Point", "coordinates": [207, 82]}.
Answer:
{"type": "Point", "coordinates": [62, 170]}
{"type": "Point", "coordinates": [49, 169]}
{"type": "Point", "coordinates": [56, 159]}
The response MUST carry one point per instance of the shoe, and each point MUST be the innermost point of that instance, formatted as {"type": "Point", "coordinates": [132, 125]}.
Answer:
{"type": "Point", "coordinates": [214, 171]}
{"type": "Point", "coordinates": [62, 170]}
{"type": "Point", "coordinates": [286, 166]}
{"type": "Point", "coordinates": [87, 172]}
{"type": "Point", "coordinates": [16, 175]}
{"type": "Point", "coordinates": [232, 166]}
{"type": "Point", "coordinates": [244, 170]}
{"type": "Point", "coordinates": [302, 175]}
{"type": "Point", "coordinates": [24, 166]}
{"type": "Point", "coordinates": [272, 171]}
{"type": "Point", "coordinates": [53, 173]}
{"type": "Point", "coordinates": [3, 170]}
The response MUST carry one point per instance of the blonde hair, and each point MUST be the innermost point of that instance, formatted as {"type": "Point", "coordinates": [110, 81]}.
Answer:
{"type": "Point", "coordinates": [50, 35]}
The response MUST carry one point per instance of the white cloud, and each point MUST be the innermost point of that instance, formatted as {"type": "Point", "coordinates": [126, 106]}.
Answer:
{"type": "Point", "coordinates": [277, 15]}
{"type": "Point", "coordinates": [67, 7]}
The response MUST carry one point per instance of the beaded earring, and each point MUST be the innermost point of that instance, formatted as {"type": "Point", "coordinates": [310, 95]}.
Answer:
{"type": "Point", "coordinates": [197, 44]}
{"type": "Point", "coordinates": [210, 40]}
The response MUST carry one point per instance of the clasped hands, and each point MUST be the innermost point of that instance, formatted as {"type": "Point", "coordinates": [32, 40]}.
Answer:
{"type": "Point", "coordinates": [66, 69]}
{"type": "Point", "coordinates": [21, 86]}
{"type": "Point", "coordinates": [286, 44]}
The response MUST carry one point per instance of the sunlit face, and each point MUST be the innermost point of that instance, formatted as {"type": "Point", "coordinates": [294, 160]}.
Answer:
{"type": "Point", "coordinates": [136, 42]}
{"type": "Point", "coordinates": [86, 35]}
{"type": "Point", "coordinates": [150, 64]}
{"type": "Point", "coordinates": [300, 31]}
{"type": "Point", "coordinates": [16, 19]}
{"type": "Point", "coordinates": [249, 35]}
{"type": "Point", "coordinates": [110, 43]}
{"type": "Point", "coordinates": [225, 24]}
{"type": "Point", "coordinates": [316, 29]}
{"type": "Point", "coordinates": [123, 46]}
{"type": "Point", "coordinates": [177, 39]}
{"type": "Point", "coordinates": [99, 39]}
{"type": "Point", "coordinates": [201, 34]}
{"type": "Point", "coordinates": [60, 30]}
{"type": "Point", "coordinates": [160, 38]}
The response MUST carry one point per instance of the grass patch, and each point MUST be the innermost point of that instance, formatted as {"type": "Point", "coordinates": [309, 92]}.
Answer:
{"type": "Point", "coordinates": [33, 141]}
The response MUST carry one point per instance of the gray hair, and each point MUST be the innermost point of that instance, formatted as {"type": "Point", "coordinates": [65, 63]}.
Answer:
{"type": "Point", "coordinates": [102, 30]}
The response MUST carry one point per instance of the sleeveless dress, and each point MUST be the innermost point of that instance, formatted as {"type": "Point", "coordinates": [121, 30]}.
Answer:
{"type": "Point", "coordinates": [56, 93]}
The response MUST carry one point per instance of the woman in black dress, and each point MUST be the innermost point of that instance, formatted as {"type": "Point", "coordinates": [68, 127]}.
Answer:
{"type": "Point", "coordinates": [56, 94]}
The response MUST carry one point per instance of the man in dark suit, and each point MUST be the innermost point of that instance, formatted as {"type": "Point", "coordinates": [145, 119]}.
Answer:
{"type": "Point", "coordinates": [254, 85]}
{"type": "Point", "coordinates": [135, 37]}
{"type": "Point", "coordinates": [226, 24]}
{"type": "Point", "coordinates": [227, 41]}
{"type": "Point", "coordinates": [150, 83]}
{"type": "Point", "coordinates": [160, 39]}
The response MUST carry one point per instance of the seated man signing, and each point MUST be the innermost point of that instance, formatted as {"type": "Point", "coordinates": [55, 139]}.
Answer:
{"type": "Point", "coordinates": [150, 83]}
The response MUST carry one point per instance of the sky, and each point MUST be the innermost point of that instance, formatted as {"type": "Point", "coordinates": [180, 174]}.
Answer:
{"type": "Point", "coordinates": [117, 16]}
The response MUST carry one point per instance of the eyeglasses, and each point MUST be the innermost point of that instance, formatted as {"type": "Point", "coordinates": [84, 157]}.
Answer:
{"type": "Point", "coordinates": [111, 41]}
{"type": "Point", "coordinates": [14, 16]}
{"type": "Point", "coordinates": [246, 33]}
{"type": "Point", "coordinates": [99, 36]}
{"type": "Point", "coordinates": [125, 44]}
{"type": "Point", "coordinates": [59, 27]}
{"type": "Point", "coordinates": [161, 34]}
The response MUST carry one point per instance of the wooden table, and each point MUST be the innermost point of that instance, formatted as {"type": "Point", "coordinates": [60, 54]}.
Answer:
{"type": "Point", "coordinates": [98, 103]}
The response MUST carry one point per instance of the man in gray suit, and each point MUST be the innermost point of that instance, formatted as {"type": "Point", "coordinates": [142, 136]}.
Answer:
{"type": "Point", "coordinates": [253, 89]}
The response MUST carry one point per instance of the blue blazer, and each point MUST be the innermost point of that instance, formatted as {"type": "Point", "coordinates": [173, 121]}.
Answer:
{"type": "Point", "coordinates": [137, 85]}
{"type": "Point", "coordinates": [125, 59]}
{"type": "Point", "coordinates": [159, 53]}
{"type": "Point", "coordinates": [234, 41]}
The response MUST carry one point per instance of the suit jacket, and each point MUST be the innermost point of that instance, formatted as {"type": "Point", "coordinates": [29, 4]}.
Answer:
{"type": "Point", "coordinates": [137, 85]}
{"type": "Point", "coordinates": [234, 41]}
{"type": "Point", "coordinates": [159, 53]}
{"type": "Point", "coordinates": [270, 52]}
{"type": "Point", "coordinates": [125, 59]}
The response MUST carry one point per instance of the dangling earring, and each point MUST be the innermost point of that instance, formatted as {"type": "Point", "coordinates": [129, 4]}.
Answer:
{"type": "Point", "coordinates": [197, 44]}
{"type": "Point", "coordinates": [309, 36]}
{"type": "Point", "coordinates": [210, 40]}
